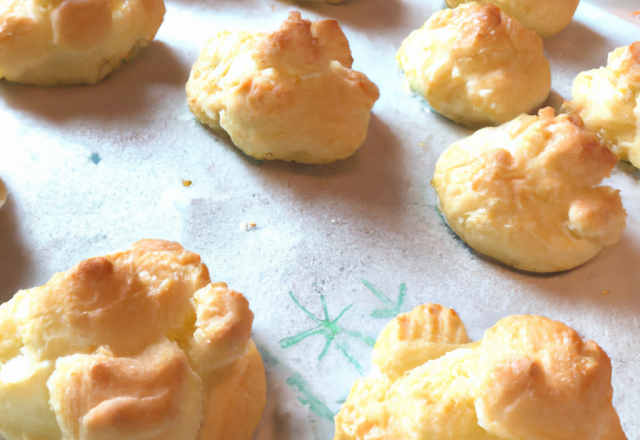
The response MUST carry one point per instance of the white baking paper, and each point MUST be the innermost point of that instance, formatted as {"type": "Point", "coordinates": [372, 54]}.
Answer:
{"type": "Point", "coordinates": [92, 169]}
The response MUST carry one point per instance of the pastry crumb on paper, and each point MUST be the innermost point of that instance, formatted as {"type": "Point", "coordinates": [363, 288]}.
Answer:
{"type": "Point", "coordinates": [247, 226]}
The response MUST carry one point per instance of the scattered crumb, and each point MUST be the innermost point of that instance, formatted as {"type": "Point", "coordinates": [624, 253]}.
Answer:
{"type": "Point", "coordinates": [636, 13]}
{"type": "Point", "coordinates": [246, 226]}
{"type": "Point", "coordinates": [422, 144]}
{"type": "Point", "coordinates": [605, 292]}
{"type": "Point", "coordinates": [272, 8]}
{"type": "Point", "coordinates": [186, 183]}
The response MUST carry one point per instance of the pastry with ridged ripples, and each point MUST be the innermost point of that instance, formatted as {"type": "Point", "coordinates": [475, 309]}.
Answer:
{"type": "Point", "coordinates": [528, 193]}
{"type": "Point", "coordinates": [545, 17]}
{"type": "Point", "coordinates": [528, 378]}
{"type": "Point", "coordinates": [133, 345]}
{"type": "Point", "coordinates": [476, 65]}
{"type": "Point", "coordinates": [608, 100]}
{"type": "Point", "coordinates": [289, 94]}
{"type": "Point", "coordinates": [51, 42]}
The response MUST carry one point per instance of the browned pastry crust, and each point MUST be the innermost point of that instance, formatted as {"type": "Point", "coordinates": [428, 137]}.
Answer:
{"type": "Point", "coordinates": [289, 94]}
{"type": "Point", "coordinates": [476, 65]}
{"type": "Point", "coordinates": [545, 17]}
{"type": "Point", "coordinates": [527, 193]}
{"type": "Point", "coordinates": [135, 344]}
{"type": "Point", "coordinates": [528, 378]}
{"type": "Point", "coordinates": [608, 100]}
{"type": "Point", "coordinates": [49, 42]}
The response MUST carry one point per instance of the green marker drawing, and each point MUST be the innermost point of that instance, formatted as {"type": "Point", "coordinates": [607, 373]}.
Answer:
{"type": "Point", "coordinates": [392, 309]}
{"type": "Point", "coordinates": [309, 399]}
{"type": "Point", "coordinates": [329, 329]}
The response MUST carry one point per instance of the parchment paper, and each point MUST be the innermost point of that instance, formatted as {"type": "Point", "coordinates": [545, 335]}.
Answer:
{"type": "Point", "coordinates": [91, 169]}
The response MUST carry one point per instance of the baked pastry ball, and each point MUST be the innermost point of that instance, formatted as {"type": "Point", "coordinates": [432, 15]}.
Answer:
{"type": "Point", "coordinates": [608, 100]}
{"type": "Point", "coordinates": [476, 65]}
{"type": "Point", "coordinates": [50, 42]}
{"type": "Point", "coordinates": [526, 192]}
{"type": "Point", "coordinates": [133, 345]}
{"type": "Point", "coordinates": [288, 94]}
{"type": "Point", "coordinates": [546, 17]}
{"type": "Point", "coordinates": [528, 378]}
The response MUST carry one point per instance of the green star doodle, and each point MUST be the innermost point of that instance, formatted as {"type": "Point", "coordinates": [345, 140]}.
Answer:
{"type": "Point", "coordinates": [314, 404]}
{"type": "Point", "coordinates": [329, 329]}
{"type": "Point", "coordinates": [392, 309]}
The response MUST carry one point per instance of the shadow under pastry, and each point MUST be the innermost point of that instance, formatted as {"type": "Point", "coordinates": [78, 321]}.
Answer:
{"type": "Point", "coordinates": [360, 14]}
{"type": "Point", "coordinates": [371, 176]}
{"type": "Point", "coordinates": [570, 45]}
{"type": "Point", "coordinates": [120, 96]}
{"type": "Point", "coordinates": [15, 264]}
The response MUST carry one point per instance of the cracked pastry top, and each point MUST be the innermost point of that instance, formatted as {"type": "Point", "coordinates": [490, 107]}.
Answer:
{"type": "Point", "coordinates": [526, 193]}
{"type": "Point", "coordinates": [289, 94]}
{"type": "Point", "coordinates": [133, 345]}
{"type": "Point", "coordinates": [51, 42]}
{"type": "Point", "coordinates": [528, 378]}
{"type": "Point", "coordinates": [608, 100]}
{"type": "Point", "coordinates": [476, 65]}
{"type": "Point", "coordinates": [545, 17]}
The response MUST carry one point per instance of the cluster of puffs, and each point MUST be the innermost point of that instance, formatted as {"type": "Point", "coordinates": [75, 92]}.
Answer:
{"type": "Point", "coordinates": [141, 345]}
{"type": "Point", "coordinates": [525, 193]}
{"type": "Point", "coordinates": [528, 378]}
{"type": "Point", "coordinates": [291, 95]}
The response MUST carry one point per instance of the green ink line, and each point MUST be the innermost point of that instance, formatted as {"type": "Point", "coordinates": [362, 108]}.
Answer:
{"type": "Point", "coordinates": [367, 339]}
{"type": "Point", "coordinates": [329, 329]}
{"type": "Point", "coordinates": [343, 349]}
{"type": "Point", "coordinates": [341, 313]}
{"type": "Point", "coordinates": [393, 308]}
{"type": "Point", "coordinates": [314, 404]}
{"type": "Point", "coordinates": [401, 294]}
{"type": "Point", "coordinates": [288, 342]}
{"type": "Point", "coordinates": [303, 308]}
{"type": "Point", "coordinates": [324, 307]}
{"type": "Point", "coordinates": [326, 347]}
{"type": "Point", "coordinates": [381, 296]}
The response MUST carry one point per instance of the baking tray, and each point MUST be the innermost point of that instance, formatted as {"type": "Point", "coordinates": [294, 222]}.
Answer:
{"type": "Point", "coordinates": [92, 169]}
